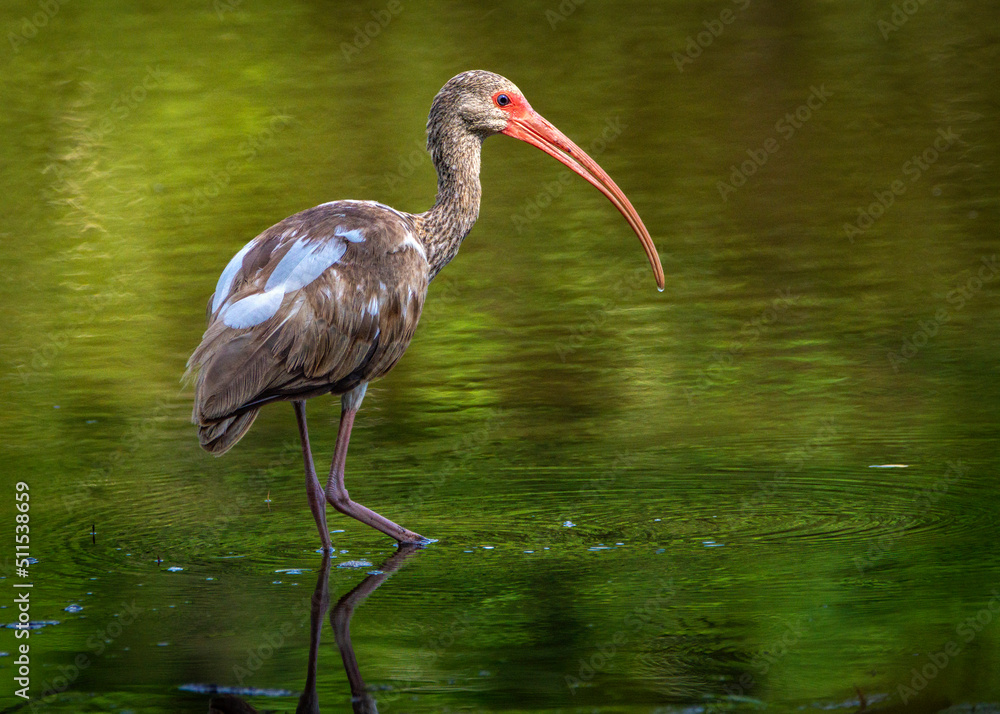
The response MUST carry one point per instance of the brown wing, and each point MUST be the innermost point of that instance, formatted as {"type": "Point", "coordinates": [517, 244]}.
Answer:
{"type": "Point", "coordinates": [321, 302]}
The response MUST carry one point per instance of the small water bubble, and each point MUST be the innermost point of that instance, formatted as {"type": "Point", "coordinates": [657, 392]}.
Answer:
{"type": "Point", "coordinates": [569, 524]}
{"type": "Point", "coordinates": [175, 569]}
{"type": "Point", "coordinates": [73, 608]}
{"type": "Point", "coordinates": [354, 564]}
{"type": "Point", "coordinates": [488, 547]}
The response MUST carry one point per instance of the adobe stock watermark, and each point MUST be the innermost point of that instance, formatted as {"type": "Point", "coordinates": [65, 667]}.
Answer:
{"type": "Point", "coordinates": [791, 633]}
{"type": "Point", "coordinates": [794, 462]}
{"type": "Point", "coordinates": [620, 294]}
{"type": "Point", "coordinates": [621, 464]}
{"type": "Point", "coordinates": [750, 332]}
{"type": "Point", "coordinates": [787, 126]}
{"type": "Point", "coordinates": [913, 168]}
{"type": "Point", "coordinates": [436, 647]}
{"type": "Point", "coordinates": [97, 645]}
{"type": "Point", "coordinates": [364, 34]}
{"type": "Point", "coordinates": [966, 631]}
{"type": "Point", "coordinates": [221, 7]}
{"type": "Point", "coordinates": [638, 617]}
{"type": "Point", "coordinates": [533, 207]}
{"type": "Point", "coordinates": [958, 298]}
{"type": "Point", "coordinates": [408, 164]}
{"type": "Point", "coordinates": [922, 503]}
{"type": "Point", "coordinates": [562, 12]}
{"type": "Point", "coordinates": [50, 345]}
{"type": "Point", "coordinates": [134, 438]}
{"type": "Point", "coordinates": [471, 445]}
{"type": "Point", "coordinates": [74, 170]}
{"type": "Point", "coordinates": [28, 27]}
{"type": "Point", "coordinates": [270, 643]}
{"type": "Point", "coordinates": [703, 40]}
{"type": "Point", "coordinates": [249, 149]}
{"type": "Point", "coordinates": [901, 14]}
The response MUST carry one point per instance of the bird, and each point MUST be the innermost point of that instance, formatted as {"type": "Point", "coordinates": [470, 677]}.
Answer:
{"type": "Point", "coordinates": [327, 300]}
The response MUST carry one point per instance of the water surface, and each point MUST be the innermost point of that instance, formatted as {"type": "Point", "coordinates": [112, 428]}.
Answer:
{"type": "Point", "coordinates": [643, 502]}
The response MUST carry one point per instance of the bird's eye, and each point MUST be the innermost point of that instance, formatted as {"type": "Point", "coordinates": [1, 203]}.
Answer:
{"type": "Point", "coordinates": [502, 100]}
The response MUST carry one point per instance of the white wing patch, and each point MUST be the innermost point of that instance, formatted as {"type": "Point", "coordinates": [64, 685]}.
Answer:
{"type": "Point", "coordinates": [412, 242]}
{"type": "Point", "coordinates": [253, 309]}
{"type": "Point", "coordinates": [302, 264]}
{"type": "Point", "coordinates": [228, 275]}
{"type": "Point", "coordinates": [355, 235]}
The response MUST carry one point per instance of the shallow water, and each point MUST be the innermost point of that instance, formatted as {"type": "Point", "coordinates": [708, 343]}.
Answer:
{"type": "Point", "coordinates": [772, 486]}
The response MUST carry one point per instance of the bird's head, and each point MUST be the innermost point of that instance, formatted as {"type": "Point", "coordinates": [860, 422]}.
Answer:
{"type": "Point", "coordinates": [482, 100]}
{"type": "Point", "coordinates": [488, 104]}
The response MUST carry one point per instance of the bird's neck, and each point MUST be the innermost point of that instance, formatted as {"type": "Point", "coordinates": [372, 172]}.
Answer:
{"type": "Point", "coordinates": [456, 156]}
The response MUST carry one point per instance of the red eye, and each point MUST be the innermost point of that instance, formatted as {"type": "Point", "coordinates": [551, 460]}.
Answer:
{"type": "Point", "coordinates": [502, 100]}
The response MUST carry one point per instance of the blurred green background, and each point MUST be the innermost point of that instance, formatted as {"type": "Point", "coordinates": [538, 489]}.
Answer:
{"type": "Point", "coordinates": [644, 502]}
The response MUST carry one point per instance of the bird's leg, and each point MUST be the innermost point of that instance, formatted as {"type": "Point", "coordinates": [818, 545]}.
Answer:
{"type": "Point", "coordinates": [314, 490]}
{"type": "Point", "coordinates": [336, 492]}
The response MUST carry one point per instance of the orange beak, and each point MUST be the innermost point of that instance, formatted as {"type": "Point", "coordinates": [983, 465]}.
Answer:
{"type": "Point", "coordinates": [531, 127]}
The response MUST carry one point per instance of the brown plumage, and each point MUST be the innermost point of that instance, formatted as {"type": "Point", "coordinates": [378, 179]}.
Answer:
{"type": "Point", "coordinates": [323, 339]}
{"type": "Point", "coordinates": [328, 299]}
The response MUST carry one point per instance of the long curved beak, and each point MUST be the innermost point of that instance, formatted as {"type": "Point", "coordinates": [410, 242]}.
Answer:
{"type": "Point", "coordinates": [531, 127]}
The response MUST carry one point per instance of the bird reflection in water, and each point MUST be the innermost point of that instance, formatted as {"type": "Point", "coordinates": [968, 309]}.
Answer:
{"type": "Point", "coordinates": [340, 619]}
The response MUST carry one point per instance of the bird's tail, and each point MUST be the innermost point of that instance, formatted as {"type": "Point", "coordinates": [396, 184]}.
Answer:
{"type": "Point", "coordinates": [219, 437]}
{"type": "Point", "coordinates": [230, 375]}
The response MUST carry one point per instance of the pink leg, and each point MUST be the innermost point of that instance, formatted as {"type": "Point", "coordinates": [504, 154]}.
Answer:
{"type": "Point", "coordinates": [337, 494]}
{"type": "Point", "coordinates": [317, 500]}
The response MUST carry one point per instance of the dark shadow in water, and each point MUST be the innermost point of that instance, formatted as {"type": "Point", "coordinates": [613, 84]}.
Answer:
{"type": "Point", "coordinates": [340, 619]}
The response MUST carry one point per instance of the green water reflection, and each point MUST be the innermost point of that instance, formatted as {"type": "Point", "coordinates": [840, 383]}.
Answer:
{"type": "Point", "coordinates": [644, 502]}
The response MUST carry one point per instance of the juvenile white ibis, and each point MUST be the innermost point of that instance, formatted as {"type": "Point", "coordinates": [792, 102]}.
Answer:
{"type": "Point", "coordinates": [328, 299]}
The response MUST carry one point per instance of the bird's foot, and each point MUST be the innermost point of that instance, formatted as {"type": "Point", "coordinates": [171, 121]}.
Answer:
{"type": "Point", "coordinates": [414, 539]}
